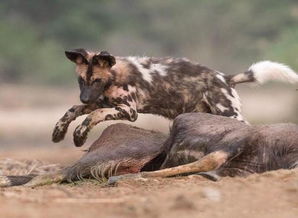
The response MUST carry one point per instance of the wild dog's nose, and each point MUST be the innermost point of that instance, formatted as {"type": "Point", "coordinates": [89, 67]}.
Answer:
{"type": "Point", "coordinates": [87, 94]}
{"type": "Point", "coordinates": [85, 98]}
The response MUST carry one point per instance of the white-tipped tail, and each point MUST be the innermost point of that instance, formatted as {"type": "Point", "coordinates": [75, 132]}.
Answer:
{"type": "Point", "coordinates": [264, 71]}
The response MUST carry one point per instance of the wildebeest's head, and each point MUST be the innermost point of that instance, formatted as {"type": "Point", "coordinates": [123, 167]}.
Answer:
{"type": "Point", "coordinates": [94, 72]}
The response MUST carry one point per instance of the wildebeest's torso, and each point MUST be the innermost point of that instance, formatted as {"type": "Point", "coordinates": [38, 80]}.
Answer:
{"type": "Point", "coordinates": [268, 147]}
{"type": "Point", "coordinates": [193, 135]}
{"type": "Point", "coordinates": [252, 149]}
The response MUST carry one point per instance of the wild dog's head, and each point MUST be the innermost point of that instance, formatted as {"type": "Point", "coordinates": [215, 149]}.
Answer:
{"type": "Point", "coordinates": [94, 72]}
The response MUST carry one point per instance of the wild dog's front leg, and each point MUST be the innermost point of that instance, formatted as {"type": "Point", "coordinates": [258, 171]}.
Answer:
{"type": "Point", "coordinates": [62, 125]}
{"type": "Point", "coordinates": [121, 112]}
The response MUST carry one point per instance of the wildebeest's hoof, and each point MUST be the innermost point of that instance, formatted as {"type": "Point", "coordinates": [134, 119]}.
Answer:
{"type": "Point", "coordinates": [211, 175]}
{"type": "Point", "coordinates": [80, 135]}
{"type": "Point", "coordinates": [59, 133]}
{"type": "Point", "coordinates": [114, 179]}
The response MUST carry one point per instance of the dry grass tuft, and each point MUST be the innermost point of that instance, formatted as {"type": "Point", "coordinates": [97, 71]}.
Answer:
{"type": "Point", "coordinates": [25, 167]}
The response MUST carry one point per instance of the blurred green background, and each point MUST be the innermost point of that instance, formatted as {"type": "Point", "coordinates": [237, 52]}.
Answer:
{"type": "Point", "coordinates": [38, 84]}
{"type": "Point", "coordinates": [224, 34]}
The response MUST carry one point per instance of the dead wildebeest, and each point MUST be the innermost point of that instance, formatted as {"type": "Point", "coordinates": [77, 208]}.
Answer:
{"type": "Point", "coordinates": [198, 143]}
{"type": "Point", "coordinates": [216, 146]}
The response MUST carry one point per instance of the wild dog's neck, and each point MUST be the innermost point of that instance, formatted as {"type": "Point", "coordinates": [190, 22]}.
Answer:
{"type": "Point", "coordinates": [121, 71]}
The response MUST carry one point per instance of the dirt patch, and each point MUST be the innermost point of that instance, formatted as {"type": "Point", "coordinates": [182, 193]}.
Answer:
{"type": "Point", "coordinates": [266, 195]}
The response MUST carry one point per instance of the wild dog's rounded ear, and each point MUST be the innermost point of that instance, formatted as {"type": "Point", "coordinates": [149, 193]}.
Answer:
{"type": "Point", "coordinates": [105, 59]}
{"type": "Point", "coordinates": [77, 56]}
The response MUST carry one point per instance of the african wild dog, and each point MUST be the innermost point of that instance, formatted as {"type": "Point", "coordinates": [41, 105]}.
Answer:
{"type": "Point", "coordinates": [118, 88]}
{"type": "Point", "coordinates": [213, 146]}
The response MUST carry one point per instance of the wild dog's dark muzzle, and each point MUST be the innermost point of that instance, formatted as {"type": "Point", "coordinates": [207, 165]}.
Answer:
{"type": "Point", "coordinates": [86, 95]}
{"type": "Point", "coordinates": [90, 94]}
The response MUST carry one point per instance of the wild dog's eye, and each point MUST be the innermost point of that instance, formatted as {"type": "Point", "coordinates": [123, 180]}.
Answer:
{"type": "Point", "coordinates": [81, 80]}
{"type": "Point", "coordinates": [94, 61]}
{"type": "Point", "coordinates": [96, 81]}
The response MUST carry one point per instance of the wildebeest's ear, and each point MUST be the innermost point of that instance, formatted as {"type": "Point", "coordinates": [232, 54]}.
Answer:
{"type": "Point", "coordinates": [104, 59]}
{"type": "Point", "coordinates": [77, 56]}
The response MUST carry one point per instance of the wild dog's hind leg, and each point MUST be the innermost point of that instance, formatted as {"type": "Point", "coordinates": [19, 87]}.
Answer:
{"type": "Point", "coordinates": [224, 102]}
{"type": "Point", "coordinates": [62, 125]}
{"type": "Point", "coordinates": [210, 162]}
{"type": "Point", "coordinates": [121, 112]}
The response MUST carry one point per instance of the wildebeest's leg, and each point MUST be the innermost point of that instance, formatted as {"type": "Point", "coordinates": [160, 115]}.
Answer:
{"type": "Point", "coordinates": [209, 162]}
{"type": "Point", "coordinates": [74, 112]}
{"type": "Point", "coordinates": [32, 180]}
{"type": "Point", "coordinates": [46, 179]}
{"type": "Point", "coordinates": [121, 112]}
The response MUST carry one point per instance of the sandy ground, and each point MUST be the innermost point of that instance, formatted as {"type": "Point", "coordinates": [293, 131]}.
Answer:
{"type": "Point", "coordinates": [27, 117]}
{"type": "Point", "coordinates": [273, 194]}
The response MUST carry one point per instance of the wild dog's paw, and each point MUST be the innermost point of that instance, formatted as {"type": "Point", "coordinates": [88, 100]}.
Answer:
{"type": "Point", "coordinates": [80, 135]}
{"type": "Point", "coordinates": [59, 132]}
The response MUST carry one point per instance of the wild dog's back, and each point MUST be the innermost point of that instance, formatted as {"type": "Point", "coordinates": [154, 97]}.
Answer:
{"type": "Point", "coordinates": [172, 86]}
